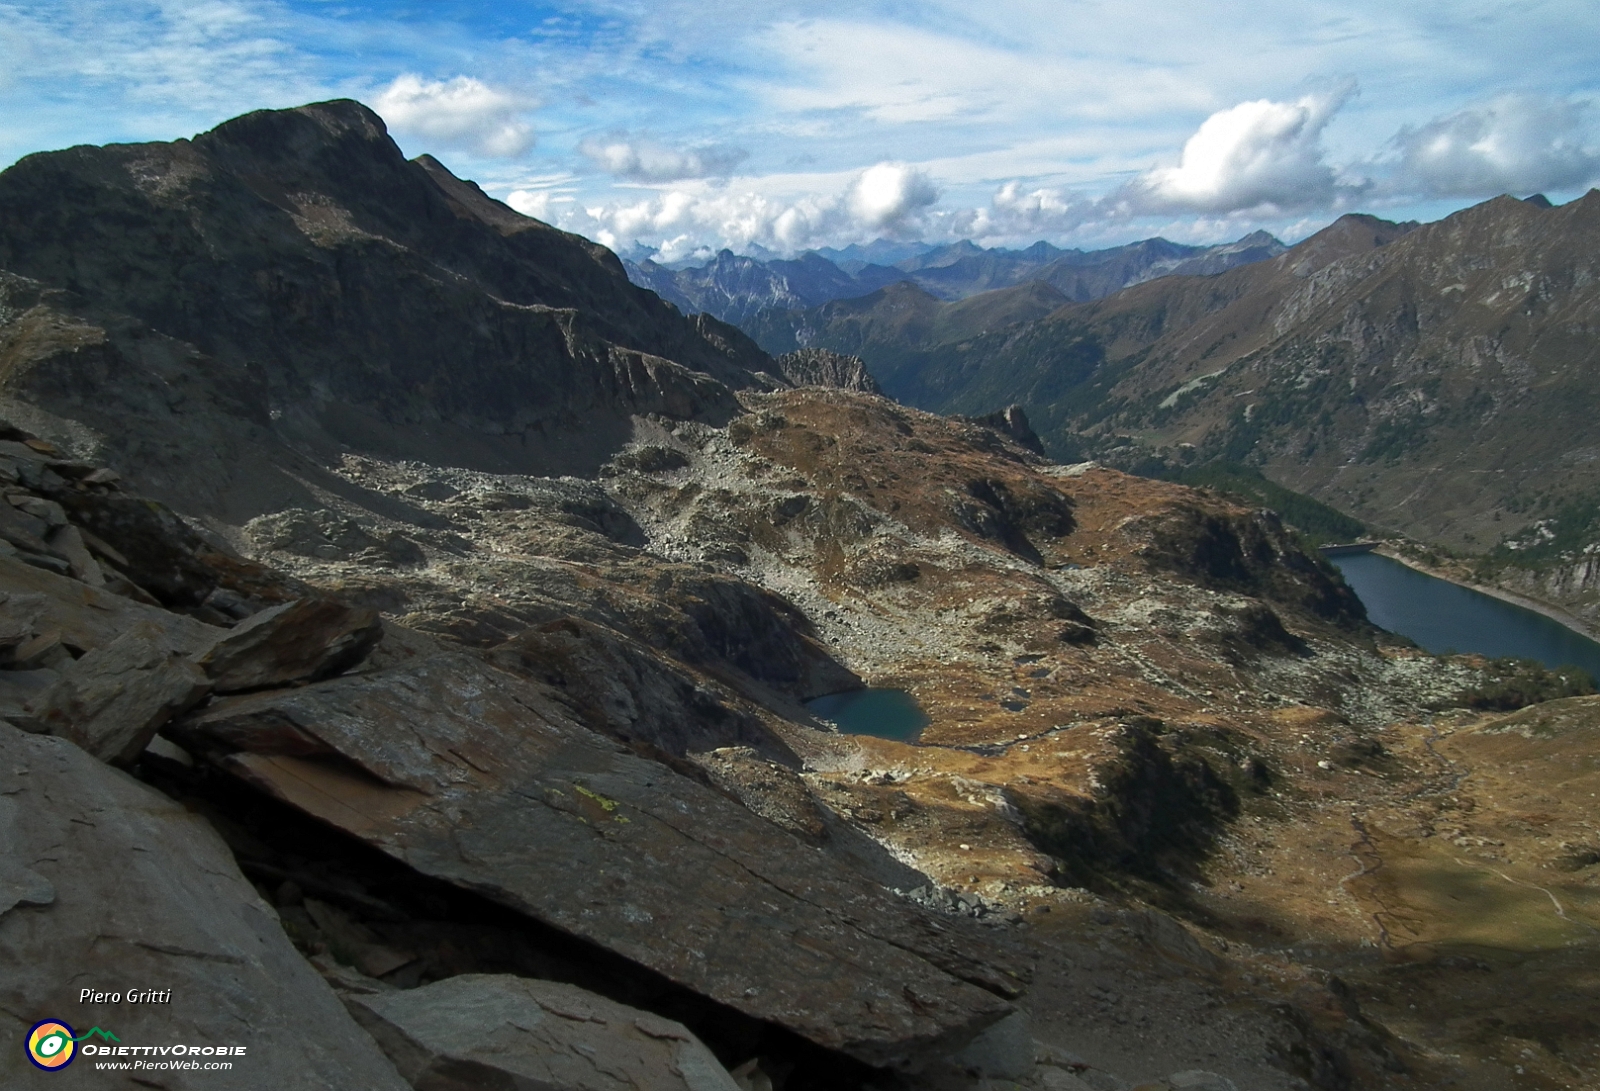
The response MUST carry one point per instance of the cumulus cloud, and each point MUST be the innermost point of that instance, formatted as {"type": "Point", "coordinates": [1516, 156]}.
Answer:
{"type": "Point", "coordinates": [532, 202]}
{"type": "Point", "coordinates": [1015, 213]}
{"type": "Point", "coordinates": [1514, 144]}
{"type": "Point", "coordinates": [885, 199]}
{"type": "Point", "coordinates": [1257, 155]}
{"type": "Point", "coordinates": [462, 112]}
{"type": "Point", "coordinates": [644, 160]}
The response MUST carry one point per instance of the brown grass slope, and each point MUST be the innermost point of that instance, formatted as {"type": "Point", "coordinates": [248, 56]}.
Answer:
{"type": "Point", "coordinates": [1433, 385]}
{"type": "Point", "coordinates": [1438, 380]}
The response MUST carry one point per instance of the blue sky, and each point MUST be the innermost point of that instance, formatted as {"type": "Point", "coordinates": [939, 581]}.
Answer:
{"type": "Point", "coordinates": [677, 125]}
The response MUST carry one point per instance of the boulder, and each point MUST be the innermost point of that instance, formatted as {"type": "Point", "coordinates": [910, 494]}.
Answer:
{"type": "Point", "coordinates": [107, 885]}
{"type": "Point", "coordinates": [471, 775]}
{"type": "Point", "coordinates": [493, 1030]}
{"type": "Point", "coordinates": [20, 688]}
{"type": "Point", "coordinates": [115, 698]}
{"type": "Point", "coordinates": [296, 642]}
{"type": "Point", "coordinates": [22, 530]}
{"type": "Point", "coordinates": [69, 543]}
{"type": "Point", "coordinates": [1171, 939]}
{"type": "Point", "coordinates": [19, 619]}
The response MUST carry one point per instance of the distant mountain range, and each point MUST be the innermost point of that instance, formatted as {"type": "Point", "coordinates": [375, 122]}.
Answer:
{"type": "Point", "coordinates": [1439, 380]}
{"type": "Point", "coordinates": [736, 288]}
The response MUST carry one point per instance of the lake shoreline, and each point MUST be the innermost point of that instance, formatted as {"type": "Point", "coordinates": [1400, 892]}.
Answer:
{"type": "Point", "coordinates": [1539, 606]}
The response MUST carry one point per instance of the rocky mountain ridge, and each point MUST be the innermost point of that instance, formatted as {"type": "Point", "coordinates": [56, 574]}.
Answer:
{"type": "Point", "coordinates": [738, 289]}
{"type": "Point", "coordinates": [339, 295]}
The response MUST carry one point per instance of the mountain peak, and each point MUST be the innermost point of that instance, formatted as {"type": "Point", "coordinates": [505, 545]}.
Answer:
{"type": "Point", "coordinates": [362, 298]}
{"type": "Point", "coordinates": [1352, 233]}
{"type": "Point", "coordinates": [296, 131]}
{"type": "Point", "coordinates": [1259, 238]}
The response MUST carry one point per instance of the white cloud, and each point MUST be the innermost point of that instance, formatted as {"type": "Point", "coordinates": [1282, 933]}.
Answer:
{"type": "Point", "coordinates": [645, 160]}
{"type": "Point", "coordinates": [887, 196]}
{"type": "Point", "coordinates": [1013, 213]}
{"type": "Point", "coordinates": [1256, 155]}
{"type": "Point", "coordinates": [462, 112]}
{"type": "Point", "coordinates": [532, 202]}
{"type": "Point", "coordinates": [948, 75]}
{"type": "Point", "coordinates": [1514, 144]}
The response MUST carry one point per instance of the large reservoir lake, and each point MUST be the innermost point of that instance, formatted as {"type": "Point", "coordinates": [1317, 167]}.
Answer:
{"type": "Point", "coordinates": [1444, 617]}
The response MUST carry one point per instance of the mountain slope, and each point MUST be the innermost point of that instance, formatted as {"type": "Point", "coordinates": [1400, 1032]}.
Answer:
{"type": "Point", "coordinates": [1438, 385]}
{"type": "Point", "coordinates": [1438, 381]}
{"type": "Point", "coordinates": [304, 284]}
{"type": "Point", "coordinates": [1065, 364]}
{"type": "Point", "coordinates": [897, 327]}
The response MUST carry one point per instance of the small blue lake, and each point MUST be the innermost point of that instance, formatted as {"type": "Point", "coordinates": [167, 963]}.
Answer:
{"type": "Point", "coordinates": [1443, 616]}
{"type": "Point", "coordinates": [886, 713]}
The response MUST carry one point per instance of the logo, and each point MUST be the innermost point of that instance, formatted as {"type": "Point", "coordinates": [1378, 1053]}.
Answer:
{"type": "Point", "coordinates": [52, 1045]}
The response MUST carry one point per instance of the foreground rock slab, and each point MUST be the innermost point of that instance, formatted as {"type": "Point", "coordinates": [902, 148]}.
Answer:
{"type": "Point", "coordinates": [474, 776]}
{"type": "Point", "coordinates": [107, 885]}
{"type": "Point", "coordinates": [492, 1030]}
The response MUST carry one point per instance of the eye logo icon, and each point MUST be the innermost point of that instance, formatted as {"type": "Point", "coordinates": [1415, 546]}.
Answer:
{"type": "Point", "coordinates": [51, 1045]}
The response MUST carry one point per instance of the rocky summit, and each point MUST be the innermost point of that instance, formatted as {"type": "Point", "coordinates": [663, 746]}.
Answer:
{"type": "Point", "coordinates": [409, 630]}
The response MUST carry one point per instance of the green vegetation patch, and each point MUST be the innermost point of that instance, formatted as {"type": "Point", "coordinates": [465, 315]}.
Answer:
{"type": "Point", "coordinates": [1559, 537]}
{"type": "Point", "coordinates": [1316, 521]}
{"type": "Point", "coordinates": [1518, 683]}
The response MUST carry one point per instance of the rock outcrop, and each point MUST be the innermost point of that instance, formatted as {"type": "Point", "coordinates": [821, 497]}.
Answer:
{"type": "Point", "coordinates": [821, 367]}
{"type": "Point", "coordinates": [623, 688]}
{"type": "Point", "coordinates": [108, 885]}
{"type": "Point", "coordinates": [112, 701]}
{"type": "Point", "coordinates": [60, 515]}
{"type": "Point", "coordinates": [1013, 421]}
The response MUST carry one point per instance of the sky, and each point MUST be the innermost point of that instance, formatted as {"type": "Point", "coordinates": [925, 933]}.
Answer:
{"type": "Point", "coordinates": [674, 128]}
